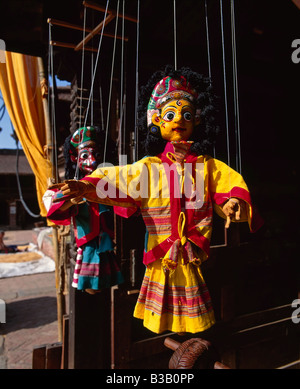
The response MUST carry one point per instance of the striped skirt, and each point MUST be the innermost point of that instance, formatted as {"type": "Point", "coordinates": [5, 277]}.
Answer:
{"type": "Point", "coordinates": [176, 301]}
{"type": "Point", "coordinates": [96, 269]}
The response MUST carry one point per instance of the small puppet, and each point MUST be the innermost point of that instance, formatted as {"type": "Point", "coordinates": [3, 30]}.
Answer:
{"type": "Point", "coordinates": [96, 265]}
{"type": "Point", "coordinates": [176, 186]}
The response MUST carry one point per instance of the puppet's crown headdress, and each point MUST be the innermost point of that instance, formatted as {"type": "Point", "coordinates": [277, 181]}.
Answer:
{"type": "Point", "coordinates": [82, 137]}
{"type": "Point", "coordinates": [169, 89]}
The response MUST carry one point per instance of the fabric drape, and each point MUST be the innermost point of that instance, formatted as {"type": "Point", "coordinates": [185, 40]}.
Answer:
{"type": "Point", "coordinates": [23, 98]}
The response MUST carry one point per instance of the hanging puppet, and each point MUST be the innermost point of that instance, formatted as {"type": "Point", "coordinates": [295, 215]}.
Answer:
{"type": "Point", "coordinates": [176, 187]}
{"type": "Point", "coordinates": [96, 265]}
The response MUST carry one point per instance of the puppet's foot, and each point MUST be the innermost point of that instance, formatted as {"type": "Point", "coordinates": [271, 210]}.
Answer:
{"type": "Point", "coordinates": [92, 291]}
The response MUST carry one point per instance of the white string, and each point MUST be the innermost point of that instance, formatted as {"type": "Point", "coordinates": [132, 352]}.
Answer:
{"type": "Point", "coordinates": [122, 115]}
{"type": "Point", "coordinates": [49, 73]}
{"type": "Point", "coordinates": [92, 97]}
{"type": "Point", "coordinates": [111, 80]}
{"type": "Point", "coordinates": [96, 63]}
{"type": "Point", "coordinates": [82, 65]}
{"type": "Point", "coordinates": [76, 175]}
{"type": "Point", "coordinates": [235, 91]}
{"type": "Point", "coordinates": [175, 37]}
{"type": "Point", "coordinates": [225, 84]}
{"type": "Point", "coordinates": [121, 134]}
{"type": "Point", "coordinates": [101, 108]}
{"type": "Point", "coordinates": [53, 118]}
{"type": "Point", "coordinates": [208, 55]}
{"type": "Point", "coordinates": [124, 123]}
{"type": "Point", "coordinates": [92, 71]}
{"type": "Point", "coordinates": [207, 41]}
{"type": "Point", "coordinates": [136, 150]}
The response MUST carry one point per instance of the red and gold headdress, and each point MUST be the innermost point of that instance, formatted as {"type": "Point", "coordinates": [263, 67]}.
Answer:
{"type": "Point", "coordinates": [169, 89]}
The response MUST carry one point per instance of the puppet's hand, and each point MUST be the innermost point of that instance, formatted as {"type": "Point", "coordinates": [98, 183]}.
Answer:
{"type": "Point", "coordinates": [73, 190]}
{"type": "Point", "coordinates": [233, 209]}
{"type": "Point", "coordinates": [181, 149]}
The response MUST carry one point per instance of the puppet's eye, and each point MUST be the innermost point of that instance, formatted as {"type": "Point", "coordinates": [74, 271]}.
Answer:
{"type": "Point", "coordinates": [169, 116]}
{"type": "Point", "coordinates": [187, 116]}
{"type": "Point", "coordinates": [84, 156]}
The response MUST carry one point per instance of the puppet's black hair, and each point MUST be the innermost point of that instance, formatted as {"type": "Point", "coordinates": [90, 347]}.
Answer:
{"type": "Point", "coordinates": [111, 154]}
{"type": "Point", "coordinates": [203, 135]}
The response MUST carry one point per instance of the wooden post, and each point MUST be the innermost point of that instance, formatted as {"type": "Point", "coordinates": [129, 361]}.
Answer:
{"type": "Point", "coordinates": [50, 156]}
{"type": "Point", "coordinates": [65, 343]}
{"type": "Point", "coordinates": [53, 355]}
{"type": "Point", "coordinates": [39, 357]}
{"type": "Point", "coordinates": [59, 293]}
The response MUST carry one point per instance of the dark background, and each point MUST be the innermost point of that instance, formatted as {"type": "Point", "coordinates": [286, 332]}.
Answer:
{"type": "Point", "coordinates": [264, 272]}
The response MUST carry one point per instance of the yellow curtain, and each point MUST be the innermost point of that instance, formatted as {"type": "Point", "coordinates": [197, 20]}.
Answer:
{"type": "Point", "coordinates": [22, 93]}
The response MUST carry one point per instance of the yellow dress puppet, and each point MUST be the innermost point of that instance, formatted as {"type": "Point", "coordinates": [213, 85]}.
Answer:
{"type": "Point", "coordinates": [176, 189]}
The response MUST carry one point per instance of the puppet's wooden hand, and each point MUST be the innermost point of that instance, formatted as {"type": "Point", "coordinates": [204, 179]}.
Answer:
{"type": "Point", "coordinates": [72, 190]}
{"type": "Point", "coordinates": [233, 209]}
{"type": "Point", "coordinates": [181, 149]}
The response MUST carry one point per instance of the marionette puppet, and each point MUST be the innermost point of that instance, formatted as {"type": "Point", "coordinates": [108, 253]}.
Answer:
{"type": "Point", "coordinates": [96, 266]}
{"type": "Point", "coordinates": [176, 187]}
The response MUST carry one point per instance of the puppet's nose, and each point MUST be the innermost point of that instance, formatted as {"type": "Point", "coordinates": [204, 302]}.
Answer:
{"type": "Point", "coordinates": [178, 117]}
{"type": "Point", "coordinates": [92, 161]}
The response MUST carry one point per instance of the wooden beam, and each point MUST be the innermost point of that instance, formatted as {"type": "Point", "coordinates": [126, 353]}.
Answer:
{"type": "Point", "coordinates": [70, 45]}
{"type": "Point", "coordinates": [111, 15]}
{"type": "Point", "coordinates": [97, 7]}
{"type": "Point", "coordinates": [72, 26]}
{"type": "Point", "coordinates": [94, 32]}
{"type": "Point", "coordinates": [297, 3]}
{"type": "Point", "coordinates": [62, 23]}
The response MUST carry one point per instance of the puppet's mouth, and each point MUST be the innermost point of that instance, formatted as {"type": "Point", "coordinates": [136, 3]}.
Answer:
{"type": "Point", "coordinates": [88, 168]}
{"type": "Point", "coordinates": [179, 129]}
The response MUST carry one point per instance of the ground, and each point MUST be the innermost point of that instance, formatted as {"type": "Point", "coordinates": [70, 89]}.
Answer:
{"type": "Point", "coordinates": [31, 312]}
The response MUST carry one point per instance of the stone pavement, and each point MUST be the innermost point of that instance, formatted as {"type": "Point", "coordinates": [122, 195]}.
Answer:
{"type": "Point", "coordinates": [31, 312]}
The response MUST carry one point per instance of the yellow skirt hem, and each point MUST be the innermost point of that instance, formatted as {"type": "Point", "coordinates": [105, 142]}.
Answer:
{"type": "Point", "coordinates": [168, 323]}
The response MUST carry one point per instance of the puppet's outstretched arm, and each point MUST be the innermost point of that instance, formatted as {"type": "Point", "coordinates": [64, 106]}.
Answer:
{"type": "Point", "coordinates": [234, 209]}
{"type": "Point", "coordinates": [73, 190]}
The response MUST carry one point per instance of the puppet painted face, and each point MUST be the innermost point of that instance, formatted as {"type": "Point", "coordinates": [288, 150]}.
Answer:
{"type": "Point", "coordinates": [172, 108]}
{"type": "Point", "coordinates": [88, 158]}
{"type": "Point", "coordinates": [85, 151]}
{"type": "Point", "coordinates": [177, 120]}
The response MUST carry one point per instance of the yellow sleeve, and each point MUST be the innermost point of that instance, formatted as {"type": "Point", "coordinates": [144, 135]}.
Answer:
{"type": "Point", "coordinates": [123, 186]}
{"type": "Point", "coordinates": [225, 183]}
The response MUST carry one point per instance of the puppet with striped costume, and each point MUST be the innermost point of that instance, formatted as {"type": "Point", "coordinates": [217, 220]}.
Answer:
{"type": "Point", "coordinates": [175, 186]}
{"type": "Point", "coordinates": [96, 266]}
